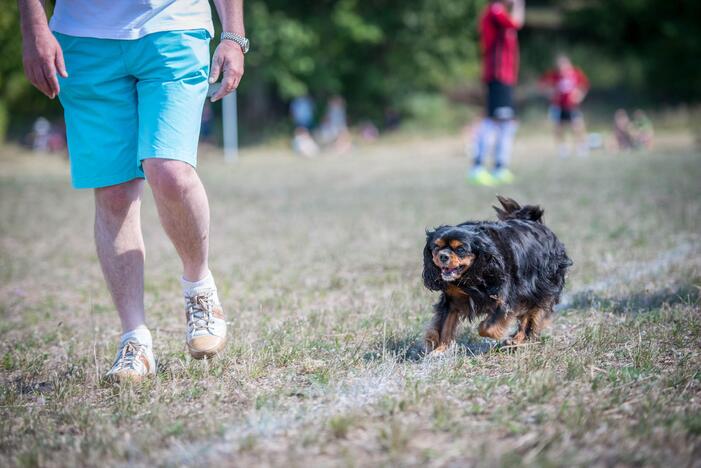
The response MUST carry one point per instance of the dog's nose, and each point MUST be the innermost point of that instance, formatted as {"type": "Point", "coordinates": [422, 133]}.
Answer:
{"type": "Point", "coordinates": [444, 257]}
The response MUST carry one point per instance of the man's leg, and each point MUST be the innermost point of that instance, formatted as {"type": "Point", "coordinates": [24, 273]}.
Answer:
{"type": "Point", "coordinates": [579, 129]}
{"type": "Point", "coordinates": [120, 248]}
{"type": "Point", "coordinates": [562, 148]}
{"type": "Point", "coordinates": [484, 142]}
{"type": "Point", "coordinates": [184, 212]}
{"type": "Point", "coordinates": [506, 130]}
{"type": "Point", "coordinates": [172, 69]}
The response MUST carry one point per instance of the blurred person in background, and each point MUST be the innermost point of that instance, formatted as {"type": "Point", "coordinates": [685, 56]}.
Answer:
{"type": "Point", "coordinates": [333, 130]}
{"type": "Point", "coordinates": [643, 129]}
{"type": "Point", "coordinates": [39, 138]}
{"type": "Point", "coordinates": [623, 131]}
{"type": "Point", "coordinates": [132, 78]}
{"type": "Point", "coordinates": [303, 143]}
{"type": "Point", "coordinates": [498, 27]}
{"type": "Point", "coordinates": [302, 114]}
{"type": "Point", "coordinates": [568, 85]}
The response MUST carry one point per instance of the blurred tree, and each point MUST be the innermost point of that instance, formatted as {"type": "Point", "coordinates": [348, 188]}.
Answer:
{"type": "Point", "coordinates": [399, 53]}
{"type": "Point", "coordinates": [18, 99]}
{"type": "Point", "coordinates": [373, 53]}
{"type": "Point", "coordinates": [657, 43]}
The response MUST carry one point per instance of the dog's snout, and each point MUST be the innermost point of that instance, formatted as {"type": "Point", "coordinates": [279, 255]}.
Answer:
{"type": "Point", "coordinates": [444, 257]}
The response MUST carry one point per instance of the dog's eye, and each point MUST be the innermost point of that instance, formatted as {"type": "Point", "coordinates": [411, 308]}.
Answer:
{"type": "Point", "coordinates": [460, 251]}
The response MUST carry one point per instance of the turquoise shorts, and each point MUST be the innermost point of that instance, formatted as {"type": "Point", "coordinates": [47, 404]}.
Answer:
{"type": "Point", "coordinates": [129, 100]}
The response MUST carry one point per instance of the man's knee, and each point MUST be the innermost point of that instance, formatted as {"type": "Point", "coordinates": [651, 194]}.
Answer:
{"type": "Point", "coordinates": [116, 200]}
{"type": "Point", "coordinates": [169, 178]}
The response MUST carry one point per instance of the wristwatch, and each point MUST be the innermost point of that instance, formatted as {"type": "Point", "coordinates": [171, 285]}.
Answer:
{"type": "Point", "coordinates": [240, 40]}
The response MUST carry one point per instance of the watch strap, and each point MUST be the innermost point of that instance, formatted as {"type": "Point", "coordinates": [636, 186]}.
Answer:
{"type": "Point", "coordinates": [237, 38]}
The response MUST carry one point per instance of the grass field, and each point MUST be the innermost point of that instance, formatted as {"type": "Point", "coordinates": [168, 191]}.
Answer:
{"type": "Point", "coordinates": [318, 265]}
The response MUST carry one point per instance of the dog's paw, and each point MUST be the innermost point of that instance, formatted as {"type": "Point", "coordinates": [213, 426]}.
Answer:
{"type": "Point", "coordinates": [431, 340]}
{"type": "Point", "coordinates": [511, 344]}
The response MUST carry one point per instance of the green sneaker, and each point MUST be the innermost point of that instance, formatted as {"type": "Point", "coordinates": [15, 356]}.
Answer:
{"type": "Point", "coordinates": [480, 176]}
{"type": "Point", "coordinates": [503, 176]}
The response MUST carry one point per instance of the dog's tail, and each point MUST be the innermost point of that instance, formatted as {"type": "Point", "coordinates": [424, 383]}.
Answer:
{"type": "Point", "coordinates": [512, 210]}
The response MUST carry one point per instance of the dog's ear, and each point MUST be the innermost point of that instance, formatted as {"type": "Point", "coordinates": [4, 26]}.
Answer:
{"type": "Point", "coordinates": [510, 207]}
{"type": "Point", "coordinates": [482, 247]}
{"type": "Point", "coordinates": [512, 210]}
{"type": "Point", "coordinates": [488, 261]}
{"type": "Point", "coordinates": [431, 274]}
{"type": "Point", "coordinates": [509, 204]}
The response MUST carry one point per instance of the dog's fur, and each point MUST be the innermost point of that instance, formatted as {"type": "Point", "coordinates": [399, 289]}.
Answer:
{"type": "Point", "coordinates": [511, 269]}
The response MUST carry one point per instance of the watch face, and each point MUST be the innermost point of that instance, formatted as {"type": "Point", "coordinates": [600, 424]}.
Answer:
{"type": "Point", "coordinates": [246, 45]}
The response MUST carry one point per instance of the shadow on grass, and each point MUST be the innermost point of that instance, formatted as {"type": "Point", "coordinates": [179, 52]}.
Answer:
{"type": "Point", "coordinates": [638, 302]}
{"type": "Point", "coordinates": [410, 347]}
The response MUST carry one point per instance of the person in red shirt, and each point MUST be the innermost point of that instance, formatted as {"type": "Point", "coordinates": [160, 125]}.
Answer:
{"type": "Point", "coordinates": [568, 85]}
{"type": "Point", "coordinates": [499, 25]}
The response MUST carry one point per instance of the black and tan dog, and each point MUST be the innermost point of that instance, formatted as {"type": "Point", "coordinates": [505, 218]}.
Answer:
{"type": "Point", "coordinates": [511, 269]}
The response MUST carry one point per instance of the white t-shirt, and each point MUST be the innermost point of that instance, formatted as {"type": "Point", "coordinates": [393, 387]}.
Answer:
{"type": "Point", "coordinates": [129, 19]}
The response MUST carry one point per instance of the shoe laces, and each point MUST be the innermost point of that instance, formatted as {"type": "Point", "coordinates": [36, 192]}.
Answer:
{"type": "Point", "coordinates": [129, 357]}
{"type": "Point", "coordinates": [199, 311]}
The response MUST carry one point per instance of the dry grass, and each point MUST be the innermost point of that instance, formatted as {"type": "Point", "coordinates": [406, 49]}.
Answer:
{"type": "Point", "coordinates": [318, 264]}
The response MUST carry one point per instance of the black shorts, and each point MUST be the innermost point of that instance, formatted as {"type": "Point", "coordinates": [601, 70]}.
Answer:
{"type": "Point", "coordinates": [560, 115]}
{"type": "Point", "coordinates": [500, 101]}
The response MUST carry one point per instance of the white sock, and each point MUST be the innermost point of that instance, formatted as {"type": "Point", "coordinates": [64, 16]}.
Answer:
{"type": "Point", "coordinates": [190, 288]}
{"type": "Point", "coordinates": [141, 334]}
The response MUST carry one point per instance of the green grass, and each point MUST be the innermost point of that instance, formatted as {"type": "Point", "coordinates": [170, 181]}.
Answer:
{"type": "Point", "coordinates": [318, 265]}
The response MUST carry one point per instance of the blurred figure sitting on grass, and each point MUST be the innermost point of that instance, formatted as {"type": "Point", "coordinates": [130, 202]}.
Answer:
{"type": "Point", "coordinates": [303, 143]}
{"type": "Point", "coordinates": [623, 131]}
{"type": "Point", "coordinates": [500, 56]}
{"type": "Point", "coordinates": [334, 127]}
{"type": "Point", "coordinates": [636, 134]}
{"type": "Point", "coordinates": [568, 86]}
{"type": "Point", "coordinates": [46, 137]}
{"type": "Point", "coordinates": [644, 132]}
{"type": "Point", "coordinates": [302, 113]}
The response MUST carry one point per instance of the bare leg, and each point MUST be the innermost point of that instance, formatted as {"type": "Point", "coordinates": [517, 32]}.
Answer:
{"type": "Point", "coordinates": [560, 140]}
{"type": "Point", "coordinates": [120, 248]}
{"type": "Point", "coordinates": [184, 212]}
{"type": "Point", "coordinates": [580, 135]}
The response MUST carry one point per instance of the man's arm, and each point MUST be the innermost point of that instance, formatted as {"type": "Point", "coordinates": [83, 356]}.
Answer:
{"type": "Point", "coordinates": [41, 54]}
{"type": "Point", "coordinates": [228, 56]}
{"type": "Point", "coordinates": [515, 19]}
{"type": "Point", "coordinates": [518, 13]}
{"type": "Point", "coordinates": [582, 88]}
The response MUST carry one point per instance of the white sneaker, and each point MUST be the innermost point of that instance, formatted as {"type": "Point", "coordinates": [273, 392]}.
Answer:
{"type": "Point", "coordinates": [134, 362]}
{"type": "Point", "coordinates": [206, 326]}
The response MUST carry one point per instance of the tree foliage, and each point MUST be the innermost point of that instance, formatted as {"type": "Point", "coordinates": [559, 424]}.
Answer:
{"type": "Point", "coordinates": [396, 52]}
{"type": "Point", "coordinates": [658, 41]}
{"type": "Point", "coordinates": [374, 53]}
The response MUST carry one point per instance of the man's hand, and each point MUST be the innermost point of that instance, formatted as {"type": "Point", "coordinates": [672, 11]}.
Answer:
{"type": "Point", "coordinates": [228, 57]}
{"type": "Point", "coordinates": [518, 12]}
{"type": "Point", "coordinates": [43, 58]}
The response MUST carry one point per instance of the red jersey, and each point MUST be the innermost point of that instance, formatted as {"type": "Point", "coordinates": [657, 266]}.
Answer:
{"type": "Point", "coordinates": [567, 84]}
{"type": "Point", "coordinates": [499, 43]}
